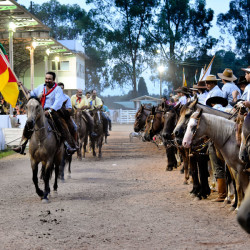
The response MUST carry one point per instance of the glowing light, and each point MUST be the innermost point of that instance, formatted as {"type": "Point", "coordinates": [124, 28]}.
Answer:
{"type": "Point", "coordinates": [34, 44]}
{"type": "Point", "coordinates": [12, 26]}
{"type": "Point", "coordinates": [57, 59]}
{"type": "Point", "coordinates": [161, 68]}
{"type": "Point", "coordinates": [48, 51]}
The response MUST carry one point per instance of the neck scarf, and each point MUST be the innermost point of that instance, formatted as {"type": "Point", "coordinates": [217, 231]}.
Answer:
{"type": "Point", "coordinates": [43, 98]}
{"type": "Point", "coordinates": [78, 99]}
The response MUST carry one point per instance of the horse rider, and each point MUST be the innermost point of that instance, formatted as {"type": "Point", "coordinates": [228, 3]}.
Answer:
{"type": "Point", "coordinates": [96, 102]}
{"type": "Point", "coordinates": [68, 114]}
{"type": "Point", "coordinates": [230, 91]}
{"type": "Point", "coordinates": [184, 95]}
{"type": "Point", "coordinates": [246, 94]}
{"type": "Point", "coordinates": [88, 95]}
{"type": "Point", "coordinates": [107, 113]}
{"type": "Point", "coordinates": [201, 88]}
{"type": "Point", "coordinates": [52, 99]}
{"type": "Point", "coordinates": [79, 101]}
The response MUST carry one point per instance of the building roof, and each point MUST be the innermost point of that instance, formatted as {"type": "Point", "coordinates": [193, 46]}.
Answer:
{"type": "Point", "coordinates": [145, 97]}
{"type": "Point", "coordinates": [128, 105]}
{"type": "Point", "coordinates": [28, 29]}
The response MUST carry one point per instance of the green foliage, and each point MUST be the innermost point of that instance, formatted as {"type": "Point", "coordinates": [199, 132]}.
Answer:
{"type": "Point", "coordinates": [142, 87]}
{"type": "Point", "coordinates": [236, 22]}
{"type": "Point", "coordinates": [6, 152]}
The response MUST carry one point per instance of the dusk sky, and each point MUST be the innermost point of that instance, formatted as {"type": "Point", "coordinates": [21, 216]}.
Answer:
{"type": "Point", "coordinates": [219, 6]}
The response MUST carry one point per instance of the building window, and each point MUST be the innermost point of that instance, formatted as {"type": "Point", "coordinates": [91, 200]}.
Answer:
{"type": "Point", "coordinates": [62, 65]}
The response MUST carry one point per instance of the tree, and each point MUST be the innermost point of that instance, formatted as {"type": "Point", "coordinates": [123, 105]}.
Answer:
{"type": "Point", "coordinates": [178, 27]}
{"type": "Point", "coordinates": [127, 22]}
{"type": "Point", "coordinates": [72, 22]}
{"type": "Point", "coordinates": [142, 87]}
{"type": "Point", "coordinates": [237, 21]}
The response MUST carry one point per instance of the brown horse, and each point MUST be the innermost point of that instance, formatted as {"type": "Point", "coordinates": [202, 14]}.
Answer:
{"type": "Point", "coordinates": [82, 133]}
{"type": "Point", "coordinates": [43, 147]}
{"type": "Point", "coordinates": [98, 129]}
{"type": "Point", "coordinates": [140, 118]}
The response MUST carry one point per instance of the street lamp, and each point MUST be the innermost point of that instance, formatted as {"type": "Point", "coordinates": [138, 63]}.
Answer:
{"type": "Point", "coordinates": [161, 70]}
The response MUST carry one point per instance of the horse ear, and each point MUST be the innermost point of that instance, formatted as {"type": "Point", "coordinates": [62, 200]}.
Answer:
{"type": "Point", "coordinates": [193, 103]}
{"type": "Point", "coordinates": [200, 112]}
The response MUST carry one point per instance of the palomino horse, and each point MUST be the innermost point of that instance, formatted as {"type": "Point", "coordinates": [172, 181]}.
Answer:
{"type": "Point", "coordinates": [82, 133]}
{"type": "Point", "coordinates": [140, 118]}
{"type": "Point", "coordinates": [221, 132]}
{"type": "Point", "coordinates": [44, 147]}
{"type": "Point", "coordinates": [98, 129]}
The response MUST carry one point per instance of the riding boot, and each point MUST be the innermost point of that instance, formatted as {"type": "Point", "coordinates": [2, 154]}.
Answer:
{"type": "Point", "coordinates": [90, 124]}
{"type": "Point", "coordinates": [221, 190]}
{"type": "Point", "coordinates": [27, 133]}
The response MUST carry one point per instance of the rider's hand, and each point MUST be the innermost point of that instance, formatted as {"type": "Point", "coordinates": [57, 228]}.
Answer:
{"type": "Point", "coordinates": [246, 104]}
{"type": "Point", "coordinates": [46, 113]}
{"type": "Point", "coordinates": [19, 83]}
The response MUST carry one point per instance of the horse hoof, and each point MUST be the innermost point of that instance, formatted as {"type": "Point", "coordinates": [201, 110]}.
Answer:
{"type": "Point", "coordinates": [197, 198]}
{"type": "Point", "coordinates": [45, 201]}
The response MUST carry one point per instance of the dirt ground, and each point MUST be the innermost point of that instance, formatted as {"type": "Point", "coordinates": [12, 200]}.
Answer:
{"type": "Point", "coordinates": [126, 200]}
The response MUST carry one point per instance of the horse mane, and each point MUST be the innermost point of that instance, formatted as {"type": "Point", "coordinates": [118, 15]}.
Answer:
{"type": "Point", "coordinates": [224, 127]}
{"type": "Point", "coordinates": [36, 98]}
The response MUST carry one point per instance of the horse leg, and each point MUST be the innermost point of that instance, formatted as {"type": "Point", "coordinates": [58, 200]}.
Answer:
{"type": "Point", "coordinates": [194, 172]}
{"type": "Point", "coordinates": [171, 160]}
{"type": "Point", "coordinates": [85, 143]}
{"type": "Point", "coordinates": [46, 177]}
{"type": "Point", "coordinates": [61, 168]}
{"type": "Point", "coordinates": [56, 177]}
{"type": "Point", "coordinates": [100, 146]}
{"type": "Point", "coordinates": [93, 147]}
{"type": "Point", "coordinates": [69, 167]}
{"type": "Point", "coordinates": [203, 173]}
{"type": "Point", "coordinates": [35, 178]}
{"type": "Point", "coordinates": [243, 180]}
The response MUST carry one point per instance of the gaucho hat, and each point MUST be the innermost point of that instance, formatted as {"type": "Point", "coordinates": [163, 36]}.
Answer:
{"type": "Point", "coordinates": [217, 100]}
{"type": "Point", "coordinates": [211, 78]}
{"type": "Point", "coordinates": [183, 90]}
{"type": "Point", "coordinates": [227, 75]}
{"type": "Point", "coordinates": [246, 69]}
{"type": "Point", "coordinates": [242, 80]}
{"type": "Point", "coordinates": [199, 85]}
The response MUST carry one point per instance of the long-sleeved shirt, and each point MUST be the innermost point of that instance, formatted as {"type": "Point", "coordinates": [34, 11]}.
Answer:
{"type": "Point", "coordinates": [95, 102]}
{"type": "Point", "coordinates": [228, 89]}
{"type": "Point", "coordinates": [54, 100]}
{"type": "Point", "coordinates": [77, 102]}
{"type": "Point", "coordinates": [67, 102]}
{"type": "Point", "coordinates": [216, 91]}
{"type": "Point", "coordinates": [246, 94]}
{"type": "Point", "coordinates": [202, 98]}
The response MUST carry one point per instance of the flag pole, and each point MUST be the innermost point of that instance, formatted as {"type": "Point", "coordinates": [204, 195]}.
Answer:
{"type": "Point", "coordinates": [208, 67]}
{"type": "Point", "coordinates": [8, 64]}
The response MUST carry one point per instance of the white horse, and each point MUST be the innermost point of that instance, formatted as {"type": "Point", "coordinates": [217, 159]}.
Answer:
{"type": "Point", "coordinates": [221, 132]}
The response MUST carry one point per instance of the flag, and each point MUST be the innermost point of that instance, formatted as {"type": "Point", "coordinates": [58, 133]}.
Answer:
{"type": "Point", "coordinates": [184, 82]}
{"type": "Point", "coordinates": [8, 81]}
{"type": "Point", "coordinates": [206, 72]}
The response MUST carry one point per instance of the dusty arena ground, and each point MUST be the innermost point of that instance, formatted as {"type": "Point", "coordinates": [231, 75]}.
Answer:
{"type": "Point", "coordinates": [126, 200]}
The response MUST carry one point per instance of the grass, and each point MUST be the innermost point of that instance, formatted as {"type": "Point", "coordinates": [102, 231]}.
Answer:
{"type": "Point", "coordinates": [6, 152]}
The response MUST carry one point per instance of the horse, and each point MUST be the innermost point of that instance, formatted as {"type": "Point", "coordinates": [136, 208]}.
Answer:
{"type": "Point", "coordinates": [221, 132]}
{"type": "Point", "coordinates": [43, 147]}
{"type": "Point", "coordinates": [98, 129]}
{"type": "Point", "coordinates": [66, 159]}
{"type": "Point", "coordinates": [82, 133]}
{"type": "Point", "coordinates": [140, 118]}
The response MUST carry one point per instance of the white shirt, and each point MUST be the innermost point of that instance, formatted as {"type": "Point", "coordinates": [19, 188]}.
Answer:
{"type": "Point", "coordinates": [246, 94]}
{"type": "Point", "coordinates": [216, 91]}
{"type": "Point", "coordinates": [228, 89]}
{"type": "Point", "coordinates": [182, 100]}
{"type": "Point", "coordinates": [202, 97]}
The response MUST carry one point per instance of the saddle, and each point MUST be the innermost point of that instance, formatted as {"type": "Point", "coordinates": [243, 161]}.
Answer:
{"type": "Point", "coordinates": [53, 128]}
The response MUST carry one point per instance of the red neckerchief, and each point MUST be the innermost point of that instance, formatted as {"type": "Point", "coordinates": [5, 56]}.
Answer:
{"type": "Point", "coordinates": [43, 98]}
{"type": "Point", "coordinates": [78, 99]}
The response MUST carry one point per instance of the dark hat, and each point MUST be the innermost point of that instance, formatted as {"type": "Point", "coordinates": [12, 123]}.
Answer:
{"type": "Point", "coordinates": [217, 100]}
{"type": "Point", "coordinates": [200, 85]}
{"type": "Point", "coordinates": [242, 80]}
{"type": "Point", "coordinates": [183, 90]}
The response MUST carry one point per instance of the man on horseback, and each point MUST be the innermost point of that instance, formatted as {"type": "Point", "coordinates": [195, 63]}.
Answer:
{"type": "Point", "coordinates": [52, 99]}
{"type": "Point", "coordinates": [96, 102]}
{"type": "Point", "coordinates": [79, 101]}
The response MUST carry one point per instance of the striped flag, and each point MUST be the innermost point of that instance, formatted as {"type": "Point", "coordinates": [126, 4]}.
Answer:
{"type": "Point", "coordinates": [8, 82]}
{"type": "Point", "coordinates": [184, 82]}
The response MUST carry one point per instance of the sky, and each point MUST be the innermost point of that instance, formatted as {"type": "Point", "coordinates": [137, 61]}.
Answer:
{"type": "Point", "coordinates": [219, 6]}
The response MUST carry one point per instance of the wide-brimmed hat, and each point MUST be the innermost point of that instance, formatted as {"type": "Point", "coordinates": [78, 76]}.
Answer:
{"type": "Point", "coordinates": [217, 100]}
{"type": "Point", "coordinates": [246, 69]}
{"type": "Point", "coordinates": [199, 85]}
{"type": "Point", "coordinates": [227, 75]}
{"type": "Point", "coordinates": [211, 78]}
{"type": "Point", "coordinates": [242, 80]}
{"type": "Point", "coordinates": [183, 90]}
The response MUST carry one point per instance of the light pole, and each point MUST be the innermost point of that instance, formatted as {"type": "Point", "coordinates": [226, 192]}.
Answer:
{"type": "Point", "coordinates": [57, 60]}
{"type": "Point", "coordinates": [161, 70]}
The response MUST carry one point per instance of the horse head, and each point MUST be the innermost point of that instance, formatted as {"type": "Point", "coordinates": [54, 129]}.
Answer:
{"type": "Point", "coordinates": [185, 114]}
{"type": "Point", "coordinates": [97, 116]}
{"type": "Point", "coordinates": [244, 153]}
{"type": "Point", "coordinates": [192, 128]}
{"type": "Point", "coordinates": [170, 119]}
{"type": "Point", "coordinates": [140, 118]}
{"type": "Point", "coordinates": [34, 112]}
